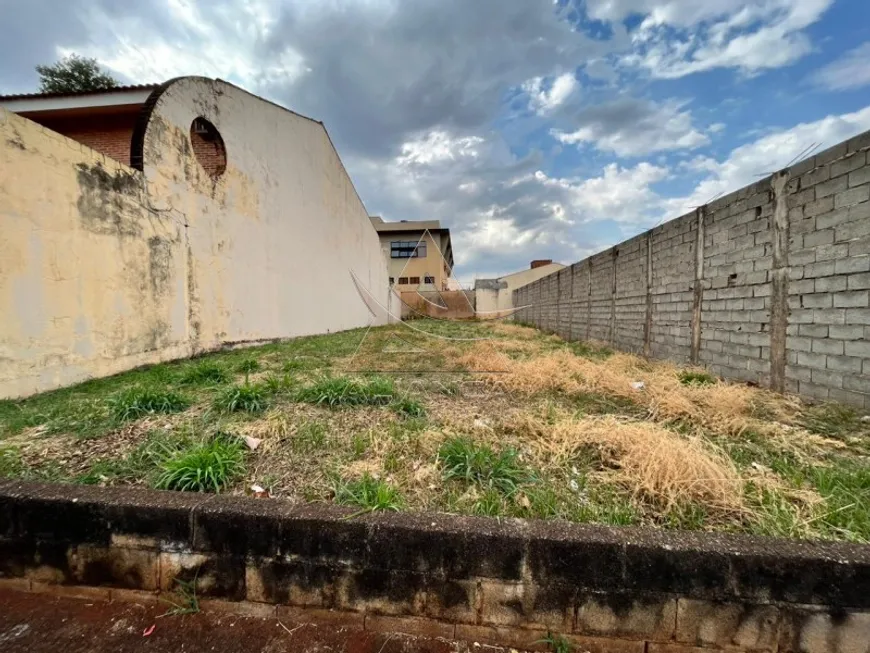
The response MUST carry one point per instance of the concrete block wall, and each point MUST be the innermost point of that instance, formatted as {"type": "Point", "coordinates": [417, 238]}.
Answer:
{"type": "Point", "coordinates": [504, 582]}
{"type": "Point", "coordinates": [769, 284]}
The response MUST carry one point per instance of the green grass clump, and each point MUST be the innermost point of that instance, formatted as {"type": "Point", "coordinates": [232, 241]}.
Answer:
{"type": "Point", "coordinates": [248, 365]}
{"type": "Point", "coordinates": [245, 398]}
{"type": "Point", "coordinates": [10, 463]}
{"type": "Point", "coordinates": [845, 487]}
{"type": "Point", "coordinates": [205, 373]}
{"type": "Point", "coordinates": [586, 350]}
{"type": "Point", "coordinates": [407, 407]}
{"type": "Point", "coordinates": [696, 377]}
{"type": "Point", "coordinates": [368, 493]}
{"type": "Point", "coordinates": [344, 391]}
{"type": "Point", "coordinates": [463, 459]}
{"type": "Point", "coordinates": [204, 467]}
{"type": "Point", "coordinates": [311, 436]}
{"type": "Point", "coordinates": [556, 643]}
{"type": "Point", "coordinates": [137, 402]}
{"type": "Point", "coordinates": [832, 420]}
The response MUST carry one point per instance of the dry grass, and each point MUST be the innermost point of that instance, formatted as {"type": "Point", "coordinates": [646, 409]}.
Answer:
{"type": "Point", "coordinates": [655, 463]}
{"type": "Point", "coordinates": [722, 407]}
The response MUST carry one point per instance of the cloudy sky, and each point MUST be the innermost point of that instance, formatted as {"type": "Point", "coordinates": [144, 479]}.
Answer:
{"type": "Point", "coordinates": [533, 128]}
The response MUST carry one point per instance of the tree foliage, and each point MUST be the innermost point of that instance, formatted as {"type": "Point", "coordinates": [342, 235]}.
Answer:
{"type": "Point", "coordinates": [74, 74]}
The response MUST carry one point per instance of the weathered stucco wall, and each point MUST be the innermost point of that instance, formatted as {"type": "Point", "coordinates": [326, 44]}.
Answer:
{"type": "Point", "coordinates": [106, 267]}
{"type": "Point", "coordinates": [770, 284]}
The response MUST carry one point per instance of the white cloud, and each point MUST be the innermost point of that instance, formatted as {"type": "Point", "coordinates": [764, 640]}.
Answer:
{"type": "Point", "coordinates": [681, 37]}
{"type": "Point", "coordinates": [545, 96]}
{"type": "Point", "coordinates": [438, 146]}
{"type": "Point", "coordinates": [634, 128]}
{"type": "Point", "coordinates": [226, 42]}
{"type": "Point", "coordinates": [852, 70]}
{"type": "Point", "coordinates": [747, 163]}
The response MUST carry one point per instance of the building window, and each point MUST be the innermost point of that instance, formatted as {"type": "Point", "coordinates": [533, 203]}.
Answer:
{"type": "Point", "coordinates": [429, 279]}
{"type": "Point", "coordinates": [407, 249]}
{"type": "Point", "coordinates": [403, 281]}
{"type": "Point", "coordinates": [415, 281]}
{"type": "Point", "coordinates": [208, 147]}
{"type": "Point", "coordinates": [392, 280]}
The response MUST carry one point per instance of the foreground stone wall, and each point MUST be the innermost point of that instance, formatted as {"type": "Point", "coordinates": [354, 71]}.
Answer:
{"type": "Point", "coordinates": [770, 284]}
{"type": "Point", "coordinates": [106, 267]}
{"type": "Point", "coordinates": [505, 582]}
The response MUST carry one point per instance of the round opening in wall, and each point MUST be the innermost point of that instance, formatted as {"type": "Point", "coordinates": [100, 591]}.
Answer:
{"type": "Point", "coordinates": [208, 147]}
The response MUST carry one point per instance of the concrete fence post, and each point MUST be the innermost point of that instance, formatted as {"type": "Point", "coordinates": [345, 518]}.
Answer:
{"type": "Point", "coordinates": [779, 280]}
{"type": "Point", "coordinates": [647, 322]}
{"type": "Point", "coordinates": [698, 287]}
{"type": "Point", "coordinates": [613, 255]}
{"type": "Point", "coordinates": [588, 299]}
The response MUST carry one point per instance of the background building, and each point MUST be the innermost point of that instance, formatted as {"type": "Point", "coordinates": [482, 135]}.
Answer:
{"type": "Point", "coordinates": [419, 254]}
{"type": "Point", "coordinates": [495, 295]}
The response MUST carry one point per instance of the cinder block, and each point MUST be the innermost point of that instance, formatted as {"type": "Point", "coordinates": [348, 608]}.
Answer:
{"type": "Point", "coordinates": [852, 299]}
{"type": "Point", "coordinates": [827, 378]}
{"type": "Point", "coordinates": [827, 346]}
{"type": "Point", "coordinates": [817, 300]}
{"type": "Point", "coordinates": [727, 625]}
{"type": "Point", "coordinates": [829, 315]}
{"type": "Point", "coordinates": [848, 164]}
{"type": "Point", "coordinates": [856, 227]}
{"type": "Point", "coordinates": [845, 332]}
{"type": "Point", "coordinates": [857, 383]}
{"type": "Point", "coordinates": [851, 197]}
{"type": "Point", "coordinates": [844, 364]}
{"type": "Point", "coordinates": [814, 177]}
{"type": "Point", "coordinates": [811, 630]}
{"type": "Point", "coordinates": [820, 206]}
{"type": "Point", "coordinates": [860, 176]}
{"type": "Point", "coordinates": [627, 616]}
{"type": "Point", "coordinates": [831, 187]}
{"type": "Point", "coordinates": [858, 316]}
{"type": "Point", "coordinates": [853, 264]}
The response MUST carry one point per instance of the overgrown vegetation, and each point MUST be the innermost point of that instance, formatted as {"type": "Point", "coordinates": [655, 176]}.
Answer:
{"type": "Point", "coordinates": [346, 391]}
{"type": "Point", "coordinates": [368, 493]}
{"type": "Point", "coordinates": [472, 462]}
{"type": "Point", "coordinates": [209, 466]}
{"type": "Point", "coordinates": [206, 373]}
{"type": "Point", "coordinates": [487, 418]}
{"type": "Point", "coordinates": [138, 402]}
{"type": "Point", "coordinates": [247, 398]}
{"type": "Point", "coordinates": [696, 377]}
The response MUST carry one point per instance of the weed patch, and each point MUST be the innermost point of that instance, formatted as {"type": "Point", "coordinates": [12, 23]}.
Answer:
{"type": "Point", "coordinates": [344, 391]}
{"type": "Point", "coordinates": [205, 373]}
{"type": "Point", "coordinates": [248, 366]}
{"type": "Point", "coordinates": [134, 403]}
{"type": "Point", "coordinates": [696, 377]}
{"type": "Point", "coordinates": [407, 407]}
{"type": "Point", "coordinates": [368, 493]}
{"type": "Point", "coordinates": [473, 462]}
{"type": "Point", "coordinates": [204, 467]}
{"type": "Point", "coordinates": [246, 398]}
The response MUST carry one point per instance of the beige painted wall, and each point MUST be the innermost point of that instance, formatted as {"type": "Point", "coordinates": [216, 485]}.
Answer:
{"type": "Point", "coordinates": [492, 301]}
{"type": "Point", "coordinates": [433, 264]}
{"type": "Point", "coordinates": [106, 268]}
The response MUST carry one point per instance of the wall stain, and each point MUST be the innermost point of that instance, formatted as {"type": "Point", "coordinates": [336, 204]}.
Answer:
{"type": "Point", "coordinates": [159, 265]}
{"type": "Point", "coordinates": [108, 200]}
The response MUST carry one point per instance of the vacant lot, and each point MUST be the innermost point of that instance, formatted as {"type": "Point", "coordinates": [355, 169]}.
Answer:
{"type": "Point", "coordinates": [476, 418]}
